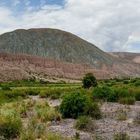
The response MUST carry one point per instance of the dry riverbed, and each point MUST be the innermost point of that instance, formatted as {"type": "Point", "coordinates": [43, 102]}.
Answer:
{"type": "Point", "coordinates": [116, 118]}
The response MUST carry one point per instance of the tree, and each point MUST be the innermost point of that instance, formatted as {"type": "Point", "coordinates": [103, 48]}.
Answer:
{"type": "Point", "coordinates": [89, 80]}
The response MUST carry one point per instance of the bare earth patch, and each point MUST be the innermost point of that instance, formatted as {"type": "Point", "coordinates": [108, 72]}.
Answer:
{"type": "Point", "coordinates": [107, 126]}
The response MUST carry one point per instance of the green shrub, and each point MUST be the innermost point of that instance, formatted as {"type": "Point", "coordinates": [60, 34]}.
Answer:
{"type": "Point", "coordinates": [10, 124]}
{"type": "Point", "coordinates": [24, 106]}
{"type": "Point", "coordinates": [137, 118]}
{"type": "Point", "coordinates": [103, 92]}
{"type": "Point", "coordinates": [121, 136]}
{"type": "Point", "coordinates": [127, 100]}
{"type": "Point", "coordinates": [73, 105]}
{"type": "Point", "coordinates": [5, 87]}
{"type": "Point", "coordinates": [51, 93]}
{"type": "Point", "coordinates": [15, 94]}
{"type": "Point", "coordinates": [93, 110]}
{"type": "Point", "coordinates": [137, 94]}
{"type": "Point", "coordinates": [89, 81]}
{"type": "Point", "coordinates": [121, 115]}
{"type": "Point", "coordinates": [137, 83]}
{"type": "Point", "coordinates": [76, 136]}
{"type": "Point", "coordinates": [33, 92]}
{"type": "Point", "coordinates": [54, 136]}
{"type": "Point", "coordinates": [113, 97]}
{"type": "Point", "coordinates": [77, 104]}
{"type": "Point", "coordinates": [34, 130]}
{"type": "Point", "coordinates": [133, 80]}
{"type": "Point", "coordinates": [48, 114]}
{"type": "Point", "coordinates": [85, 123]}
{"type": "Point", "coordinates": [43, 94]}
{"type": "Point", "coordinates": [121, 92]}
{"type": "Point", "coordinates": [125, 82]}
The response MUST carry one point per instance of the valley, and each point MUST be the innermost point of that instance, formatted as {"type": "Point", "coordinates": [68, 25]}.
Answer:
{"type": "Point", "coordinates": [37, 106]}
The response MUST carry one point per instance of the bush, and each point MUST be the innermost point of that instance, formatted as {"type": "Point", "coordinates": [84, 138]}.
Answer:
{"type": "Point", "coordinates": [137, 83]}
{"type": "Point", "coordinates": [121, 115]}
{"type": "Point", "coordinates": [125, 82]}
{"type": "Point", "coordinates": [113, 97]}
{"type": "Point", "coordinates": [104, 93]}
{"type": "Point", "coordinates": [34, 130]}
{"type": "Point", "coordinates": [54, 136]}
{"type": "Point", "coordinates": [15, 94]}
{"type": "Point", "coordinates": [89, 81]}
{"type": "Point", "coordinates": [74, 105]}
{"type": "Point", "coordinates": [52, 93]}
{"type": "Point", "coordinates": [85, 123]}
{"type": "Point", "coordinates": [127, 100]}
{"type": "Point", "coordinates": [121, 136]}
{"type": "Point", "coordinates": [121, 92]}
{"type": "Point", "coordinates": [5, 87]}
{"type": "Point", "coordinates": [33, 92]}
{"type": "Point", "coordinates": [133, 80]}
{"type": "Point", "coordinates": [137, 119]}
{"type": "Point", "coordinates": [93, 111]}
{"type": "Point", "coordinates": [137, 94]}
{"type": "Point", "coordinates": [48, 114]}
{"type": "Point", "coordinates": [10, 124]}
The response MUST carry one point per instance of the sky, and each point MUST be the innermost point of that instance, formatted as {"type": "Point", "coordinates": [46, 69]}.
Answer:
{"type": "Point", "coordinates": [112, 25]}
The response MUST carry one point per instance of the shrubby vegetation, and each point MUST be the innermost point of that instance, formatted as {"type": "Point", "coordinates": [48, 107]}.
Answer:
{"type": "Point", "coordinates": [52, 93]}
{"type": "Point", "coordinates": [137, 119]}
{"type": "Point", "coordinates": [127, 100]}
{"type": "Point", "coordinates": [10, 124]}
{"type": "Point", "coordinates": [123, 95]}
{"type": "Point", "coordinates": [77, 104]}
{"type": "Point", "coordinates": [104, 93]}
{"type": "Point", "coordinates": [85, 123]}
{"type": "Point", "coordinates": [121, 136]}
{"type": "Point", "coordinates": [89, 81]}
{"type": "Point", "coordinates": [121, 115]}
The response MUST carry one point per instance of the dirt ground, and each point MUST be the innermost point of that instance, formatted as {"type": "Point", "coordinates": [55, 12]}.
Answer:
{"type": "Point", "coordinates": [111, 123]}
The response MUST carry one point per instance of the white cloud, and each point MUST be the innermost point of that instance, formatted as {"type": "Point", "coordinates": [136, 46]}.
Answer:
{"type": "Point", "coordinates": [107, 23]}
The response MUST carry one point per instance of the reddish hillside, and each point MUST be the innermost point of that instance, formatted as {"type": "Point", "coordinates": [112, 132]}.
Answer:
{"type": "Point", "coordinates": [17, 67]}
{"type": "Point", "coordinates": [133, 57]}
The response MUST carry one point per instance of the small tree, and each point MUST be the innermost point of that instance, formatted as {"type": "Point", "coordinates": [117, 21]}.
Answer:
{"type": "Point", "coordinates": [89, 80]}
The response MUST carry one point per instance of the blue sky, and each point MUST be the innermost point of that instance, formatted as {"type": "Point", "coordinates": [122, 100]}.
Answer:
{"type": "Point", "coordinates": [112, 25]}
{"type": "Point", "coordinates": [19, 6]}
{"type": "Point", "coordinates": [31, 2]}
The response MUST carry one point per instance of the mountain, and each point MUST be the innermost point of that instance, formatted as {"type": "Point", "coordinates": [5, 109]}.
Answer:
{"type": "Point", "coordinates": [53, 43]}
{"type": "Point", "coordinates": [45, 53]}
{"type": "Point", "coordinates": [131, 57]}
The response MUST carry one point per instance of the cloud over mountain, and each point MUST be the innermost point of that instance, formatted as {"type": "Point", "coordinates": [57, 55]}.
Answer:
{"type": "Point", "coordinates": [111, 25]}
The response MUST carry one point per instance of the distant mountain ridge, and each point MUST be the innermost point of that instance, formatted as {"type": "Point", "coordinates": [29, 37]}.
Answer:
{"type": "Point", "coordinates": [47, 52]}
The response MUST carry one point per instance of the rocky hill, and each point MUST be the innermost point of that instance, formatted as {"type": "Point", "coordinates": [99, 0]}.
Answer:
{"type": "Point", "coordinates": [54, 44]}
{"type": "Point", "coordinates": [45, 53]}
{"type": "Point", "coordinates": [131, 57]}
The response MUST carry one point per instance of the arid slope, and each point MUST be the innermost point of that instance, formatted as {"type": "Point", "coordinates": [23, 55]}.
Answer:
{"type": "Point", "coordinates": [48, 53]}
